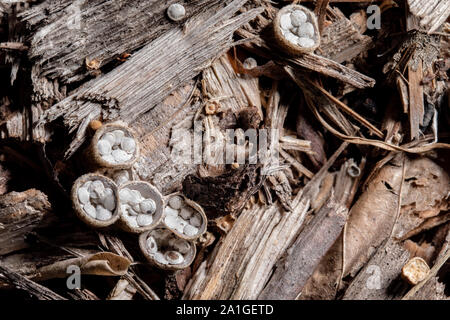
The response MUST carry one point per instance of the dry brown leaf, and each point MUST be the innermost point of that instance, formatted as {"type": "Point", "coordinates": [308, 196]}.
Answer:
{"type": "Point", "coordinates": [101, 264]}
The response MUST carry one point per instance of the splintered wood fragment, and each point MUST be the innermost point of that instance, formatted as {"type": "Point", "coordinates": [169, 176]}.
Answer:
{"type": "Point", "coordinates": [320, 11]}
{"type": "Point", "coordinates": [33, 288]}
{"type": "Point", "coordinates": [292, 272]}
{"type": "Point", "coordinates": [403, 91]}
{"type": "Point", "coordinates": [13, 46]}
{"type": "Point", "coordinates": [122, 291]}
{"type": "Point", "coordinates": [242, 261]}
{"type": "Point", "coordinates": [415, 89]}
{"type": "Point", "coordinates": [381, 275]}
{"type": "Point", "coordinates": [229, 90]}
{"type": "Point", "coordinates": [336, 101]}
{"type": "Point", "coordinates": [20, 214]}
{"type": "Point", "coordinates": [97, 33]}
{"type": "Point", "coordinates": [308, 61]}
{"type": "Point", "coordinates": [432, 13]}
{"type": "Point", "coordinates": [416, 103]}
{"type": "Point", "coordinates": [341, 40]}
{"type": "Point", "coordinates": [152, 73]}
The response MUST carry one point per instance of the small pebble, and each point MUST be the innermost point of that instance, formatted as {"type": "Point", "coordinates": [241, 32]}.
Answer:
{"type": "Point", "coordinates": [298, 17]}
{"type": "Point", "coordinates": [147, 206]}
{"type": "Point", "coordinates": [176, 202]}
{"type": "Point", "coordinates": [176, 12]}
{"type": "Point", "coordinates": [291, 37]}
{"type": "Point", "coordinates": [131, 211]}
{"type": "Point", "coordinates": [169, 212]}
{"type": "Point", "coordinates": [249, 63]}
{"type": "Point", "coordinates": [120, 156]}
{"type": "Point", "coordinates": [171, 222]}
{"type": "Point", "coordinates": [159, 257]}
{"type": "Point", "coordinates": [83, 195]}
{"type": "Point", "coordinates": [306, 42]}
{"type": "Point", "coordinates": [190, 231]}
{"type": "Point", "coordinates": [109, 158]}
{"type": "Point", "coordinates": [118, 134]}
{"type": "Point", "coordinates": [97, 189]}
{"type": "Point", "coordinates": [186, 212]}
{"type": "Point", "coordinates": [128, 145]}
{"type": "Point", "coordinates": [109, 201]}
{"type": "Point", "coordinates": [136, 207]}
{"type": "Point", "coordinates": [132, 221]}
{"type": "Point", "coordinates": [174, 257]}
{"type": "Point", "coordinates": [90, 210]}
{"type": "Point", "coordinates": [306, 30]}
{"type": "Point", "coordinates": [285, 21]}
{"type": "Point", "coordinates": [144, 220]}
{"type": "Point", "coordinates": [110, 138]}
{"type": "Point", "coordinates": [180, 225]}
{"type": "Point", "coordinates": [104, 147]}
{"type": "Point", "coordinates": [136, 197]}
{"type": "Point", "coordinates": [196, 221]}
{"type": "Point", "coordinates": [152, 246]}
{"type": "Point", "coordinates": [125, 195]}
{"type": "Point", "coordinates": [103, 214]}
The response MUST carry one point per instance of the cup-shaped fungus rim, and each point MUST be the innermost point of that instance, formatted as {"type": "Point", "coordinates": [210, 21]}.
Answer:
{"type": "Point", "coordinates": [143, 246]}
{"type": "Point", "coordinates": [196, 207]}
{"type": "Point", "coordinates": [80, 211]}
{"type": "Point", "coordinates": [286, 44]}
{"type": "Point", "coordinates": [147, 190]}
{"type": "Point", "coordinates": [97, 157]}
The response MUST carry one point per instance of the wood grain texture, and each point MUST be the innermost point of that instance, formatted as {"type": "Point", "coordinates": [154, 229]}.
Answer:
{"type": "Point", "coordinates": [291, 273]}
{"type": "Point", "coordinates": [21, 213]}
{"type": "Point", "coordinates": [136, 86]}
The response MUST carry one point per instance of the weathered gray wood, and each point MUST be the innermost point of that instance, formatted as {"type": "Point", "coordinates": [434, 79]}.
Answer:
{"type": "Point", "coordinates": [65, 33]}
{"type": "Point", "coordinates": [380, 277]}
{"type": "Point", "coordinates": [20, 214]}
{"type": "Point", "coordinates": [433, 13]}
{"type": "Point", "coordinates": [341, 41]}
{"type": "Point", "coordinates": [292, 272]}
{"type": "Point", "coordinates": [155, 71]}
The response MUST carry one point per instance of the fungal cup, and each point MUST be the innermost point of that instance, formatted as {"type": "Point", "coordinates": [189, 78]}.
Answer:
{"type": "Point", "coordinates": [296, 29]}
{"type": "Point", "coordinates": [184, 217]}
{"type": "Point", "coordinates": [95, 200]}
{"type": "Point", "coordinates": [166, 250]}
{"type": "Point", "coordinates": [141, 206]}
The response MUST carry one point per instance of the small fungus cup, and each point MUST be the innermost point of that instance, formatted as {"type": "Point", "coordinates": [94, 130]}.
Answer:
{"type": "Point", "coordinates": [95, 200]}
{"type": "Point", "coordinates": [141, 206]}
{"type": "Point", "coordinates": [114, 146]}
{"type": "Point", "coordinates": [165, 250]}
{"type": "Point", "coordinates": [184, 217]}
{"type": "Point", "coordinates": [296, 29]}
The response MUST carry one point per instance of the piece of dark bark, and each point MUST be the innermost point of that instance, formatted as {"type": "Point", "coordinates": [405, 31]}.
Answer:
{"type": "Point", "coordinates": [33, 288]}
{"type": "Point", "coordinates": [292, 271]}
{"type": "Point", "coordinates": [224, 194]}
{"type": "Point", "coordinates": [20, 214]}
